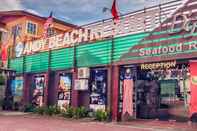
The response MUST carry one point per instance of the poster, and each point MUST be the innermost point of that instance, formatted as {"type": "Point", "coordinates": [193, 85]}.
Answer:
{"type": "Point", "coordinates": [38, 91]}
{"type": "Point", "coordinates": [64, 90]}
{"type": "Point", "coordinates": [98, 90]}
{"type": "Point", "coordinates": [17, 88]}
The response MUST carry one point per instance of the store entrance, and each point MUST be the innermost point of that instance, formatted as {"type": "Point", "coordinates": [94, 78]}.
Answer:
{"type": "Point", "coordinates": [163, 93]}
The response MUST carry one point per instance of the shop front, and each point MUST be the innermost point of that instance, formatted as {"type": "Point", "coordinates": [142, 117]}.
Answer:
{"type": "Point", "coordinates": [157, 72]}
{"type": "Point", "coordinates": [137, 69]}
{"type": "Point", "coordinates": [157, 91]}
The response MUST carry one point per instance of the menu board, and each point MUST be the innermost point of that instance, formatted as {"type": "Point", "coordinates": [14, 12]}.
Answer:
{"type": "Point", "coordinates": [64, 90]}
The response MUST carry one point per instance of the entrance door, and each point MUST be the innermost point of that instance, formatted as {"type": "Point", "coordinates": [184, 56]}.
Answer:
{"type": "Point", "coordinates": [147, 98]}
{"type": "Point", "coordinates": [163, 94]}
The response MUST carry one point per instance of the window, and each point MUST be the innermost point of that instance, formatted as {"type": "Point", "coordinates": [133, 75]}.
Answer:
{"type": "Point", "coordinates": [31, 28]}
{"type": "Point", "coordinates": [50, 32]}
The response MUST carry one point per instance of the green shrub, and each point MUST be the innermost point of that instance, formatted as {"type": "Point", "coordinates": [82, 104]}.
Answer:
{"type": "Point", "coordinates": [29, 108]}
{"type": "Point", "coordinates": [52, 110]}
{"type": "Point", "coordinates": [49, 110]}
{"type": "Point", "coordinates": [57, 110]}
{"type": "Point", "coordinates": [101, 115]}
{"type": "Point", "coordinates": [80, 112]}
{"type": "Point", "coordinates": [69, 112]}
{"type": "Point", "coordinates": [40, 110]}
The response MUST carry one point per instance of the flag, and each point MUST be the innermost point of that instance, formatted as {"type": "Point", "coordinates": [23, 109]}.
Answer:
{"type": "Point", "coordinates": [48, 24]}
{"type": "Point", "coordinates": [127, 97]}
{"type": "Point", "coordinates": [114, 11]}
{"type": "Point", "coordinates": [193, 88]}
{"type": "Point", "coordinates": [4, 53]}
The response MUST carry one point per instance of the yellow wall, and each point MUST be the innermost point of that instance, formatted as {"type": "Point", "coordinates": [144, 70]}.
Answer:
{"type": "Point", "coordinates": [24, 36]}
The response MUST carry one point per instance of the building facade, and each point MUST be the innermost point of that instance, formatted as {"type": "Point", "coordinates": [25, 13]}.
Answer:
{"type": "Point", "coordinates": [137, 68]}
{"type": "Point", "coordinates": [19, 27]}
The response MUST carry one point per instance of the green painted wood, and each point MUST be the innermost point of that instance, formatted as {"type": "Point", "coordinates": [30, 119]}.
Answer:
{"type": "Point", "coordinates": [87, 55]}
{"type": "Point", "coordinates": [37, 62]}
{"type": "Point", "coordinates": [123, 44]}
{"type": "Point", "coordinates": [62, 59]}
{"type": "Point", "coordinates": [16, 64]}
{"type": "Point", "coordinates": [98, 53]}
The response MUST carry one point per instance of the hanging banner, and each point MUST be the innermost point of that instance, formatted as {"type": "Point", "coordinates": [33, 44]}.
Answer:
{"type": "Point", "coordinates": [128, 97]}
{"type": "Point", "coordinates": [193, 80]}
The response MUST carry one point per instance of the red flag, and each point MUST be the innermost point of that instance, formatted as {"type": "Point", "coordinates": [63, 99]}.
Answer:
{"type": "Point", "coordinates": [4, 53]}
{"type": "Point", "coordinates": [193, 88]}
{"type": "Point", "coordinates": [114, 11]}
{"type": "Point", "coordinates": [48, 24]}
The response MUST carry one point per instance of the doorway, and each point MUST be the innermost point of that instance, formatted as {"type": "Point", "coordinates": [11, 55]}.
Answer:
{"type": "Point", "coordinates": [163, 93]}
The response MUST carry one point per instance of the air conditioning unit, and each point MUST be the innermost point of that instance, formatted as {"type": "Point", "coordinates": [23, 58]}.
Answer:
{"type": "Point", "coordinates": [83, 73]}
{"type": "Point", "coordinates": [81, 84]}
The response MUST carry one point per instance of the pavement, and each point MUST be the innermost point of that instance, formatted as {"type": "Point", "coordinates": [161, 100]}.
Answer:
{"type": "Point", "coordinates": [28, 122]}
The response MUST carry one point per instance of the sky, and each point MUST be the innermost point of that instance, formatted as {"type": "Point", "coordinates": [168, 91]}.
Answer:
{"type": "Point", "coordinates": [77, 12]}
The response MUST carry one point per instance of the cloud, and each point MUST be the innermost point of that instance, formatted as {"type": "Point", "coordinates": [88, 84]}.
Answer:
{"type": "Point", "coordinates": [10, 5]}
{"type": "Point", "coordinates": [76, 11]}
{"type": "Point", "coordinates": [15, 5]}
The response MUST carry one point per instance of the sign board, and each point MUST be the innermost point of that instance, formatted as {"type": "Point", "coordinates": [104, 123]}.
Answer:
{"type": "Point", "coordinates": [81, 84]}
{"type": "Point", "coordinates": [160, 65]}
{"type": "Point", "coordinates": [132, 23]}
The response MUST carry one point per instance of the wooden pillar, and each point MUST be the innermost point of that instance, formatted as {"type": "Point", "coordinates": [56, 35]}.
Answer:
{"type": "Point", "coordinates": [46, 88]}
{"type": "Point", "coordinates": [26, 88]}
{"type": "Point", "coordinates": [115, 92]}
{"type": "Point", "coordinates": [109, 88]}
{"type": "Point", "coordinates": [75, 93]}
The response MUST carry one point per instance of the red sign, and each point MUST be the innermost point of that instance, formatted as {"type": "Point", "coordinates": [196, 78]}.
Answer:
{"type": "Point", "coordinates": [193, 79]}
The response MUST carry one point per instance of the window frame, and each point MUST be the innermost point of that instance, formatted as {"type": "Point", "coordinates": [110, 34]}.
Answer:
{"type": "Point", "coordinates": [36, 30]}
